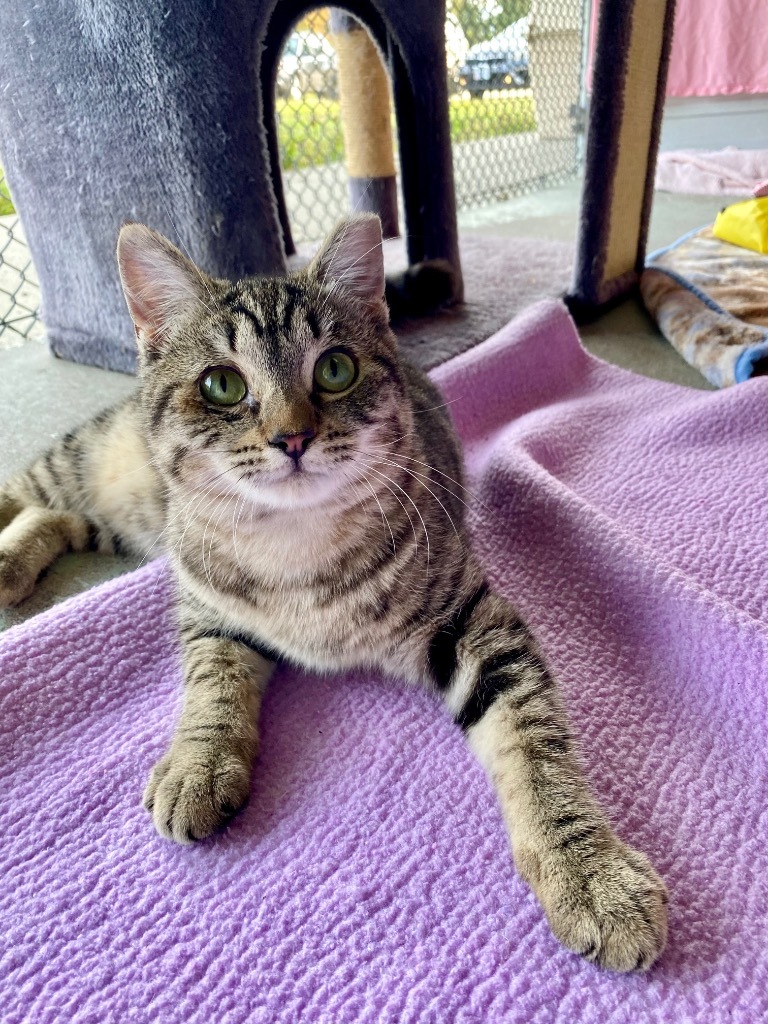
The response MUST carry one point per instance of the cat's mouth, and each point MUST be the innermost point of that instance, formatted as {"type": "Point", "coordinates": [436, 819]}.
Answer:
{"type": "Point", "coordinates": [292, 473]}
{"type": "Point", "coordinates": [310, 480]}
{"type": "Point", "coordinates": [295, 487]}
{"type": "Point", "coordinates": [299, 468]}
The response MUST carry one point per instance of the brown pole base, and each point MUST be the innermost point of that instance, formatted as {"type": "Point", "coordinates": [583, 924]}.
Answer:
{"type": "Point", "coordinates": [376, 195]}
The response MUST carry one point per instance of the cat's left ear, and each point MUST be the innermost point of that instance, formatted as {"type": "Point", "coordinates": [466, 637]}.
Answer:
{"type": "Point", "coordinates": [352, 258]}
{"type": "Point", "coordinates": [160, 284]}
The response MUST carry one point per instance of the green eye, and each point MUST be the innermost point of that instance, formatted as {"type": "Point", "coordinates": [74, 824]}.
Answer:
{"type": "Point", "coordinates": [335, 371]}
{"type": "Point", "coordinates": [222, 386]}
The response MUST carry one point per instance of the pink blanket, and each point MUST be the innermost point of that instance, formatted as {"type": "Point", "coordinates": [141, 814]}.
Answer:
{"type": "Point", "coordinates": [369, 878]}
{"type": "Point", "coordinates": [724, 172]}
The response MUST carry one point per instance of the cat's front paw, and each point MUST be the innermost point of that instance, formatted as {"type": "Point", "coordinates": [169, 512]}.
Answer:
{"type": "Point", "coordinates": [16, 582]}
{"type": "Point", "coordinates": [191, 794]}
{"type": "Point", "coordinates": [611, 908]}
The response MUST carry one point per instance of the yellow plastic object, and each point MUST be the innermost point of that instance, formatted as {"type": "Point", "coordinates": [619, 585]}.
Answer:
{"type": "Point", "coordinates": [744, 224]}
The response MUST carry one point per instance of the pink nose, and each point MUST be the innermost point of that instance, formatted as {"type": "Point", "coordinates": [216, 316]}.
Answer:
{"type": "Point", "coordinates": [294, 445]}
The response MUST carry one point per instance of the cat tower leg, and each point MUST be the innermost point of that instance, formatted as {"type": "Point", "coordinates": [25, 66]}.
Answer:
{"type": "Point", "coordinates": [628, 85]}
{"type": "Point", "coordinates": [420, 89]}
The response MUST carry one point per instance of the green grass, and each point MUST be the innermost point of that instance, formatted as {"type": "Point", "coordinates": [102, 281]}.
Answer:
{"type": "Point", "coordinates": [6, 206]}
{"type": "Point", "coordinates": [309, 129]}
{"type": "Point", "coordinates": [309, 132]}
{"type": "Point", "coordinates": [490, 117]}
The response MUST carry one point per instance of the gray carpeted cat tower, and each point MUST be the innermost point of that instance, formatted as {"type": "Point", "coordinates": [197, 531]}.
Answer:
{"type": "Point", "coordinates": [165, 113]}
{"type": "Point", "coordinates": [117, 110]}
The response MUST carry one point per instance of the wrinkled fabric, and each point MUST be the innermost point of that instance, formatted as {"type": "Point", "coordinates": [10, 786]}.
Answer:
{"type": "Point", "coordinates": [714, 172]}
{"type": "Point", "coordinates": [718, 47]}
{"type": "Point", "coordinates": [369, 878]}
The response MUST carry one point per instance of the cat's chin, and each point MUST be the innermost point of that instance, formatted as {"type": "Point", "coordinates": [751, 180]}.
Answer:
{"type": "Point", "coordinates": [298, 490]}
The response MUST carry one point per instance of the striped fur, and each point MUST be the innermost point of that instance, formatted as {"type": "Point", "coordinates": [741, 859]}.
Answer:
{"type": "Point", "coordinates": [356, 555]}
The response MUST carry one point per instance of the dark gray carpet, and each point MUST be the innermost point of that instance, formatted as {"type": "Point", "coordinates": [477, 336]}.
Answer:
{"type": "Point", "coordinates": [502, 276]}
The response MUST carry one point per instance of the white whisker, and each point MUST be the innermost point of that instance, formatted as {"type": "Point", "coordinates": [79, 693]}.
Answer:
{"type": "Point", "coordinates": [422, 477]}
{"type": "Point", "coordinates": [384, 476]}
{"type": "Point", "coordinates": [207, 570]}
{"type": "Point", "coordinates": [432, 469]}
{"type": "Point", "coordinates": [383, 513]}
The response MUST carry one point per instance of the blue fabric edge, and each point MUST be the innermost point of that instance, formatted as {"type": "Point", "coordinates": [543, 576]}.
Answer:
{"type": "Point", "coordinates": [700, 295]}
{"type": "Point", "coordinates": [745, 363]}
{"type": "Point", "coordinates": [672, 245]}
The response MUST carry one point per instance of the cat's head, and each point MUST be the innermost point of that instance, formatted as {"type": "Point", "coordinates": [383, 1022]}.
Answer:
{"type": "Point", "coordinates": [278, 389]}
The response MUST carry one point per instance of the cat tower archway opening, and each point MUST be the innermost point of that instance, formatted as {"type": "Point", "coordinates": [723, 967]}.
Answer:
{"type": "Point", "coordinates": [335, 126]}
{"type": "Point", "coordinates": [411, 45]}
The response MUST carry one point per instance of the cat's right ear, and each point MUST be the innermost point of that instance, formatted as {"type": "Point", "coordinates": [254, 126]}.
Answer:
{"type": "Point", "coordinates": [353, 259]}
{"type": "Point", "coordinates": [159, 283]}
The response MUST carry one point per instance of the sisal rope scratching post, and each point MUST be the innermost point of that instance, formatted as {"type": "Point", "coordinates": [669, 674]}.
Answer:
{"type": "Point", "coordinates": [366, 121]}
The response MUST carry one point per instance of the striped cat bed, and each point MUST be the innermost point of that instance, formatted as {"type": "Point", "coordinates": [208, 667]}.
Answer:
{"type": "Point", "coordinates": [710, 300]}
{"type": "Point", "coordinates": [369, 879]}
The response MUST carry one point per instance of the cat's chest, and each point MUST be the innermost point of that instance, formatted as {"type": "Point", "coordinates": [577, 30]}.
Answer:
{"type": "Point", "coordinates": [304, 592]}
{"type": "Point", "coordinates": [319, 631]}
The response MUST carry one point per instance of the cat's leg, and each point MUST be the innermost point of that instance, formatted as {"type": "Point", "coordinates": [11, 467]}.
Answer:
{"type": "Point", "coordinates": [602, 898]}
{"type": "Point", "coordinates": [205, 776]}
{"type": "Point", "coordinates": [34, 539]}
{"type": "Point", "coordinates": [31, 539]}
{"type": "Point", "coordinates": [95, 488]}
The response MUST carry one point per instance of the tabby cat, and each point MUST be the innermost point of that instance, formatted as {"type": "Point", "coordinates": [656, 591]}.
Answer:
{"type": "Point", "coordinates": [305, 481]}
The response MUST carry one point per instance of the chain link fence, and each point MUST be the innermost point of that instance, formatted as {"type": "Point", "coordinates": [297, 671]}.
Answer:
{"type": "Point", "coordinates": [309, 129]}
{"type": "Point", "coordinates": [515, 102]}
{"type": "Point", "coordinates": [516, 112]}
{"type": "Point", "coordinates": [19, 291]}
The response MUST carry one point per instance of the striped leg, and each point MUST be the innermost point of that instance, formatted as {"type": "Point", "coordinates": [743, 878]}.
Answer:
{"type": "Point", "coordinates": [602, 899]}
{"type": "Point", "coordinates": [9, 509]}
{"type": "Point", "coordinates": [32, 538]}
{"type": "Point", "coordinates": [205, 776]}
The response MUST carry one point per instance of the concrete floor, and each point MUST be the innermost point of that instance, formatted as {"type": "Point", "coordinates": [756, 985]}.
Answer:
{"type": "Point", "coordinates": [42, 397]}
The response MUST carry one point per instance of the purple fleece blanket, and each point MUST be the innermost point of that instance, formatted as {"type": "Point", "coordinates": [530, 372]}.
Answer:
{"type": "Point", "coordinates": [369, 878]}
